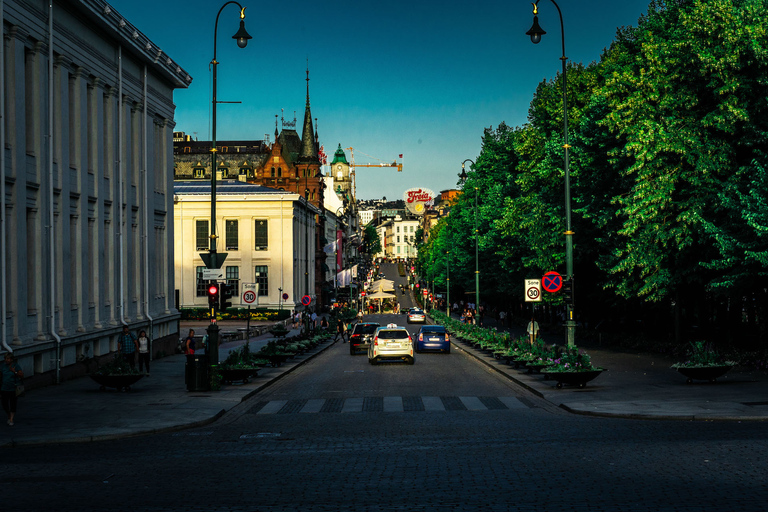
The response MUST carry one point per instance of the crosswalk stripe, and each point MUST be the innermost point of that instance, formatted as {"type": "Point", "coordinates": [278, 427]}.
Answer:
{"type": "Point", "coordinates": [272, 407]}
{"type": "Point", "coordinates": [313, 405]}
{"type": "Point", "coordinates": [393, 404]}
{"type": "Point", "coordinates": [472, 403]}
{"type": "Point", "coordinates": [512, 402]}
{"type": "Point", "coordinates": [433, 403]}
{"type": "Point", "coordinates": [353, 405]}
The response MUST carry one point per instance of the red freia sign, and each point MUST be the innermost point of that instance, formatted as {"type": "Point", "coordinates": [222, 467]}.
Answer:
{"type": "Point", "coordinates": [418, 195]}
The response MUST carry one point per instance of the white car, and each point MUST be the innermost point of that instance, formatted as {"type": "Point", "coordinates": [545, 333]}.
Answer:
{"type": "Point", "coordinates": [391, 343]}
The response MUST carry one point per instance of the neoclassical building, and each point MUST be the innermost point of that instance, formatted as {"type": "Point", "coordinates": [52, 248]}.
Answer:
{"type": "Point", "coordinates": [268, 235]}
{"type": "Point", "coordinates": [87, 117]}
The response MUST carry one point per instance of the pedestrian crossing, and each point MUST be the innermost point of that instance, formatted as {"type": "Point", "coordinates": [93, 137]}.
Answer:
{"type": "Point", "coordinates": [390, 404]}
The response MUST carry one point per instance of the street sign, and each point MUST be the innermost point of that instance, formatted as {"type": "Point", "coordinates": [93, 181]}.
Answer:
{"type": "Point", "coordinates": [213, 274]}
{"type": "Point", "coordinates": [424, 291]}
{"type": "Point", "coordinates": [285, 296]}
{"type": "Point", "coordinates": [306, 300]}
{"type": "Point", "coordinates": [552, 281]}
{"type": "Point", "coordinates": [250, 293]}
{"type": "Point", "coordinates": [532, 290]}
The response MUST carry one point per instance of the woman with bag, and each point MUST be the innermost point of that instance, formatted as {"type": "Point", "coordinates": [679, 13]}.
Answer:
{"type": "Point", "coordinates": [12, 375]}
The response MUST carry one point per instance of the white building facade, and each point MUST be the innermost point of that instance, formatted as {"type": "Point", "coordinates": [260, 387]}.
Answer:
{"type": "Point", "coordinates": [269, 236]}
{"type": "Point", "coordinates": [86, 121]}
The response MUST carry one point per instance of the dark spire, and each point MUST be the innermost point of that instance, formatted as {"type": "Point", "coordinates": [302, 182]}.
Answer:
{"type": "Point", "coordinates": [277, 134]}
{"type": "Point", "coordinates": [308, 151]}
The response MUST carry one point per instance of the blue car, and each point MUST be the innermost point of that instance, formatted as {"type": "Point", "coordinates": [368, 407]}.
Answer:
{"type": "Point", "coordinates": [433, 337]}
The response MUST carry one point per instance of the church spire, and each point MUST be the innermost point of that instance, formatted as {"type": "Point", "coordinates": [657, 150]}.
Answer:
{"type": "Point", "coordinates": [308, 153]}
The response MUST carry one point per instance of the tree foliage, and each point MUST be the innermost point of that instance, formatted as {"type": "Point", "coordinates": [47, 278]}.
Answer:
{"type": "Point", "coordinates": [669, 189]}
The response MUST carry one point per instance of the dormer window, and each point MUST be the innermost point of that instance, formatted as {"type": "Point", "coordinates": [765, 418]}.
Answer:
{"type": "Point", "coordinates": [198, 171]}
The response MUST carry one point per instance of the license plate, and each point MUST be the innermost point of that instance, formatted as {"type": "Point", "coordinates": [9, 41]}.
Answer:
{"type": "Point", "coordinates": [434, 339]}
{"type": "Point", "coordinates": [393, 345]}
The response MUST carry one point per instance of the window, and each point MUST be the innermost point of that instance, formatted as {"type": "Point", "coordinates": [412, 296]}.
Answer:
{"type": "Point", "coordinates": [201, 235]}
{"type": "Point", "coordinates": [202, 284]}
{"type": "Point", "coordinates": [199, 173]}
{"type": "Point", "coordinates": [273, 173]}
{"type": "Point", "coordinates": [233, 279]}
{"type": "Point", "coordinates": [262, 235]}
{"type": "Point", "coordinates": [279, 172]}
{"type": "Point", "coordinates": [398, 239]}
{"type": "Point", "coordinates": [262, 279]}
{"type": "Point", "coordinates": [231, 235]}
{"type": "Point", "coordinates": [398, 229]}
{"type": "Point", "coordinates": [411, 229]}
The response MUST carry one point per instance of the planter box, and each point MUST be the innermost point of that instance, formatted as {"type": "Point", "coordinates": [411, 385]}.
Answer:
{"type": "Point", "coordinates": [230, 375]}
{"type": "Point", "coordinates": [709, 373]}
{"type": "Point", "coordinates": [119, 382]}
{"type": "Point", "coordinates": [579, 379]}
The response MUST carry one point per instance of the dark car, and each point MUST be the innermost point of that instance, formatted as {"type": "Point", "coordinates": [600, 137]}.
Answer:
{"type": "Point", "coordinates": [433, 337]}
{"type": "Point", "coordinates": [361, 336]}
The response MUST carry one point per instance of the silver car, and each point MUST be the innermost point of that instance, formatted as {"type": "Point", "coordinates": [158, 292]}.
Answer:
{"type": "Point", "coordinates": [416, 315]}
{"type": "Point", "coordinates": [391, 343]}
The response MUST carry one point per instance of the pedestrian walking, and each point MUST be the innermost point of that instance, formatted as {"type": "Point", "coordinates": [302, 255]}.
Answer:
{"type": "Point", "coordinates": [313, 320]}
{"type": "Point", "coordinates": [11, 377]}
{"type": "Point", "coordinates": [126, 346]}
{"type": "Point", "coordinates": [340, 330]}
{"type": "Point", "coordinates": [533, 330]}
{"type": "Point", "coordinates": [143, 343]}
{"type": "Point", "coordinates": [189, 343]}
{"type": "Point", "coordinates": [324, 324]}
{"type": "Point", "coordinates": [502, 317]}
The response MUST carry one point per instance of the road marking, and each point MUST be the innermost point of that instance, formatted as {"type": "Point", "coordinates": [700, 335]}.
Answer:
{"type": "Point", "coordinates": [393, 404]}
{"type": "Point", "coordinates": [313, 405]}
{"type": "Point", "coordinates": [472, 403]}
{"type": "Point", "coordinates": [432, 403]}
{"type": "Point", "coordinates": [512, 402]}
{"type": "Point", "coordinates": [272, 407]}
{"type": "Point", "coordinates": [353, 405]}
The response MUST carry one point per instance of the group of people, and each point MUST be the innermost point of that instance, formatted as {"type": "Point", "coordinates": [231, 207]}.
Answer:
{"type": "Point", "coordinates": [128, 345]}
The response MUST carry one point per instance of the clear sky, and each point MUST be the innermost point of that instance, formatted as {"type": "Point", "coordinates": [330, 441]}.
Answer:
{"type": "Point", "coordinates": [417, 78]}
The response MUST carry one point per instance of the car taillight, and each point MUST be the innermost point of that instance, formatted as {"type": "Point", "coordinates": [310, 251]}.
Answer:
{"type": "Point", "coordinates": [376, 341]}
{"type": "Point", "coordinates": [446, 338]}
{"type": "Point", "coordinates": [421, 337]}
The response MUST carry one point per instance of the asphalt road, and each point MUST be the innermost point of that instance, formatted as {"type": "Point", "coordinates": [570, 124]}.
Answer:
{"type": "Point", "coordinates": [338, 434]}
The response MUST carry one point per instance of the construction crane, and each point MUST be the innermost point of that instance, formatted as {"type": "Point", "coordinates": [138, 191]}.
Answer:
{"type": "Point", "coordinates": [382, 164]}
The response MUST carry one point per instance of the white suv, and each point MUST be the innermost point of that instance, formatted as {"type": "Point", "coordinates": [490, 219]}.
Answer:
{"type": "Point", "coordinates": [391, 342]}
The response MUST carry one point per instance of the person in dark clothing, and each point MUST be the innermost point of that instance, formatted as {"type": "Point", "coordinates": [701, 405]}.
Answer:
{"type": "Point", "coordinates": [340, 331]}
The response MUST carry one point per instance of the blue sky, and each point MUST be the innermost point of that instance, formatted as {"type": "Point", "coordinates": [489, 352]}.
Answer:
{"type": "Point", "coordinates": [417, 78]}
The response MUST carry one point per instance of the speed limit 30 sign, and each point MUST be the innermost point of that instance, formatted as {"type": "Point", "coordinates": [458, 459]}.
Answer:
{"type": "Point", "coordinates": [533, 290]}
{"type": "Point", "coordinates": [250, 293]}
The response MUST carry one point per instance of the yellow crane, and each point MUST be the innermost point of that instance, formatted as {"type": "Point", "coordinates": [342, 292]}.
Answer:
{"type": "Point", "coordinates": [381, 164]}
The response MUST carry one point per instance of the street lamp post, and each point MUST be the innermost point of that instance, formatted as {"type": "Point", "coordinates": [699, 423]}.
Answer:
{"type": "Point", "coordinates": [448, 283]}
{"type": "Point", "coordinates": [463, 178]}
{"type": "Point", "coordinates": [536, 32]}
{"type": "Point", "coordinates": [214, 260]}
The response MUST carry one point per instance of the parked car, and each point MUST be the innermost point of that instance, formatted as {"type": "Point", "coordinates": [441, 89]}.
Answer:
{"type": "Point", "coordinates": [433, 337]}
{"type": "Point", "coordinates": [391, 343]}
{"type": "Point", "coordinates": [415, 315]}
{"type": "Point", "coordinates": [361, 336]}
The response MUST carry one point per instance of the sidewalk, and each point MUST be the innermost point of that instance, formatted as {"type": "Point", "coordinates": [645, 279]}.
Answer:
{"type": "Point", "coordinates": [641, 385]}
{"type": "Point", "coordinates": [635, 386]}
{"type": "Point", "coordinates": [77, 410]}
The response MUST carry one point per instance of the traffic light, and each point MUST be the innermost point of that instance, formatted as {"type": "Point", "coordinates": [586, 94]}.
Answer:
{"type": "Point", "coordinates": [213, 295]}
{"type": "Point", "coordinates": [568, 290]}
{"type": "Point", "coordinates": [225, 293]}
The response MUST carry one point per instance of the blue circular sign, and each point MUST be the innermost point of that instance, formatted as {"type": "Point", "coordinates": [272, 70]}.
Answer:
{"type": "Point", "coordinates": [306, 300]}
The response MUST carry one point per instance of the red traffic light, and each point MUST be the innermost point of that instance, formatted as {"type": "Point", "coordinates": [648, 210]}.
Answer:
{"type": "Point", "coordinates": [213, 289]}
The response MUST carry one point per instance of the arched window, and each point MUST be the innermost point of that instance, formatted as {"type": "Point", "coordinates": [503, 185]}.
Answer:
{"type": "Point", "coordinates": [273, 172]}
{"type": "Point", "coordinates": [279, 172]}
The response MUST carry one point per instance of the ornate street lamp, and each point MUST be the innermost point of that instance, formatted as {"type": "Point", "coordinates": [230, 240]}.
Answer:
{"type": "Point", "coordinates": [214, 260]}
{"type": "Point", "coordinates": [463, 177]}
{"type": "Point", "coordinates": [536, 32]}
